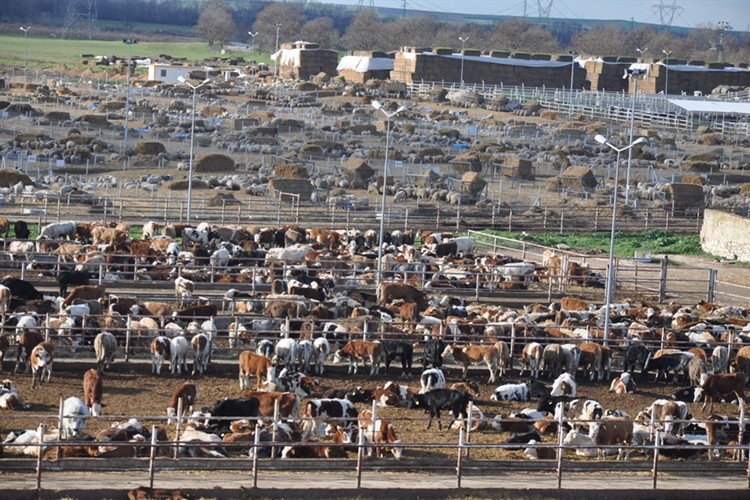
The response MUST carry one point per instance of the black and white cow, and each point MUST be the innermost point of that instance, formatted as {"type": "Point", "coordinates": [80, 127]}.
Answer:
{"type": "Point", "coordinates": [511, 392]}
{"type": "Point", "coordinates": [318, 412]}
{"type": "Point", "coordinates": [439, 399]}
{"type": "Point", "coordinates": [431, 379]}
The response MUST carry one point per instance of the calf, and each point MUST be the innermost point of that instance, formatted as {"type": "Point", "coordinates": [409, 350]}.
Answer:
{"type": "Point", "coordinates": [159, 352]}
{"type": "Point", "coordinates": [439, 399]}
{"type": "Point", "coordinates": [321, 350]}
{"type": "Point", "coordinates": [667, 412]}
{"type": "Point", "coordinates": [716, 386]}
{"type": "Point", "coordinates": [671, 361]}
{"type": "Point", "coordinates": [379, 431]}
{"type": "Point", "coordinates": [431, 379]}
{"type": "Point", "coordinates": [228, 408]}
{"type": "Point", "coordinates": [361, 350]}
{"type": "Point", "coordinates": [10, 399]}
{"type": "Point", "coordinates": [146, 493]}
{"type": "Point", "coordinates": [25, 344]}
{"type": "Point", "coordinates": [178, 351]}
{"type": "Point", "coordinates": [201, 352]}
{"type": "Point", "coordinates": [92, 391]}
{"type": "Point", "coordinates": [511, 392]}
{"type": "Point", "coordinates": [611, 431]}
{"type": "Point", "coordinates": [105, 345]}
{"type": "Point", "coordinates": [42, 357]}
{"type": "Point", "coordinates": [85, 292]}
{"type": "Point", "coordinates": [474, 354]}
{"type": "Point", "coordinates": [585, 446]}
{"type": "Point", "coordinates": [188, 394]}
{"type": "Point", "coordinates": [251, 363]}
{"type": "Point", "coordinates": [719, 359]}
{"type": "Point", "coordinates": [624, 384]}
{"type": "Point", "coordinates": [67, 278]}
{"type": "Point", "coordinates": [433, 353]}
{"type": "Point", "coordinates": [564, 385]}
{"type": "Point", "coordinates": [531, 358]}
{"type": "Point", "coordinates": [321, 411]}
{"type": "Point", "coordinates": [404, 351]}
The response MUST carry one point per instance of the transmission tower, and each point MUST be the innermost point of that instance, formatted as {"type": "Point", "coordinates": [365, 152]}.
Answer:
{"type": "Point", "coordinates": [361, 4]}
{"type": "Point", "coordinates": [81, 16]}
{"type": "Point", "coordinates": [544, 9]}
{"type": "Point", "coordinates": [666, 12]}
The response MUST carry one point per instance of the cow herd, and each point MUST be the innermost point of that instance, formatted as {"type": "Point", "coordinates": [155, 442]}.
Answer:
{"type": "Point", "coordinates": [322, 311]}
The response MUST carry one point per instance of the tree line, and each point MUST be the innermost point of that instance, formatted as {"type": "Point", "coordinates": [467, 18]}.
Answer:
{"type": "Point", "coordinates": [338, 27]}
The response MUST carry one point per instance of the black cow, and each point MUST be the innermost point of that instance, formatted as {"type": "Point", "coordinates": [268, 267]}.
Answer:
{"type": "Point", "coordinates": [686, 394]}
{"type": "Point", "coordinates": [404, 351]}
{"type": "Point", "coordinates": [235, 408]}
{"type": "Point", "coordinates": [438, 399]}
{"type": "Point", "coordinates": [433, 353]}
{"type": "Point", "coordinates": [449, 249]}
{"type": "Point", "coordinates": [21, 289]}
{"type": "Point", "coordinates": [66, 278]}
{"type": "Point", "coordinates": [22, 230]}
{"type": "Point", "coordinates": [523, 439]}
{"type": "Point", "coordinates": [549, 403]}
{"type": "Point", "coordinates": [635, 355]}
{"type": "Point", "coordinates": [674, 362]}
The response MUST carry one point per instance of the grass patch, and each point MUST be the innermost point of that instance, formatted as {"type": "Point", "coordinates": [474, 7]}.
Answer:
{"type": "Point", "coordinates": [626, 244]}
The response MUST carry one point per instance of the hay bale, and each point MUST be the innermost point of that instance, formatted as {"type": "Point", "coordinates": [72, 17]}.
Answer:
{"type": "Point", "coordinates": [577, 178]}
{"type": "Point", "coordinates": [183, 185]}
{"type": "Point", "coordinates": [19, 108]}
{"type": "Point", "coordinates": [518, 168]}
{"type": "Point", "coordinates": [150, 148]}
{"type": "Point", "coordinates": [301, 187]}
{"type": "Point", "coordinates": [700, 166]}
{"type": "Point", "coordinates": [111, 106]}
{"type": "Point", "coordinates": [223, 199]}
{"type": "Point", "coordinates": [472, 183]}
{"type": "Point", "coordinates": [57, 116]}
{"type": "Point", "coordinates": [213, 111]}
{"type": "Point", "coordinates": [466, 162]}
{"type": "Point", "coordinates": [684, 195]}
{"type": "Point", "coordinates": [95, 120]}
{"type": "Point", "coordinates": [704, 157]}
{"type": "Point", "coordinates": [745, 189]}
{"type": "Point", "coordinates": [693, 179]}
{"type": "Point", "coordinates": [214, 163]}
{"type": "Point", "coordinates": [291, 171]}
{"type": "Point", "coordinates": [358, 171]}
{"type": "Point", "coordinates": [10, 177]}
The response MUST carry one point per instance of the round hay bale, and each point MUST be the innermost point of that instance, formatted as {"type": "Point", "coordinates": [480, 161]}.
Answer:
{"type": "Point", "coordinates": [57, 116]}
{"type": "Point", "coordinates": [10, 177]}
{"type": "Point", "coordinates": [78, 140]}
{"type": "Point", "coordinates": [693, 179]}
{"type": "Point", "coordinates": [214, 163]}
{"type": "Point", "coordinates": [112, 106]}
{"type": "Point", "coordinates": [150, 148]}
{"type": "Point", "coordinates": [19, 108]}
{"type": "Point", "coordinates": [183, 185]}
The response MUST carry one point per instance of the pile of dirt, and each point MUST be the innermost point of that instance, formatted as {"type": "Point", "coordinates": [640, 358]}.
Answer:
{"type": "Point", "coordinates": [222, 199]}
{"type": "Point", "coordinates": [95, 120]}
{"type": "Point", "coordinates": [183, 185]}
{"type": "Point", "coordinates": [57, 116]}
{"type": "Point", "coordinates": [10, 177]}
{"type": "Point", "coordinates": [150, 148]}
{"type": "Point", "coordinates": [214, 163]}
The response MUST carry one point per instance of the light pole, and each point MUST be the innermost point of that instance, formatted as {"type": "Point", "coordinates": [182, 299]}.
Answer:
{"type": "Point", "coordinates": [463, 39]}
{"type": "Point", "coordinates": [610, 269]}
{"type": "Point", "coordinates": [129, 42]}
{"type": "Point", "coordinates": [252, 45]}
{"type": "Point", "coordinates": [25, 52]}
{"type": "Point", "coordinates": [379, 106]}
{"type": "Point", "coordinates": [573, 55]}
{"type": "Point", "coordinates": [192, 140]}
{"type": "Point", "coordinates": [635, 73]}
{"type": "Point", "coordinates": [666, 76]}
{"type": "Point", "coordinates": [276, 69]}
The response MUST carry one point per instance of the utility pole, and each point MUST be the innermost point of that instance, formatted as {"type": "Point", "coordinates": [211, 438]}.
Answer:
{"type": "Point", "coordinates": [129, 42]}
{"type": "Point", "coordinates": [276, 70]}
{"type": "Point", "coordinates": [25, 53]}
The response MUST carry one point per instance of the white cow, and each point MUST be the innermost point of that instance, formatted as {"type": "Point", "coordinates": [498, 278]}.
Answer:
{"type": "Point", "coordinates": [75, 412]}
{"type": "Point", "coordinates": [321, 350]}
{"type": "Point", "coordinates": [178, 351]}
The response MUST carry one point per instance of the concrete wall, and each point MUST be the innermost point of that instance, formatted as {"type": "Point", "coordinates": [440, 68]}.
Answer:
{"type": "Point", "coordinates": [726, 235]}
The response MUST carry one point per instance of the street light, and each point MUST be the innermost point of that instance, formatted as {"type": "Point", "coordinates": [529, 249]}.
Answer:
{"type": "Point", "coordinates": [252, 45]}
{"type": "Point", "coordinates": [276, 69]}
{"type": "Point", "coordinates": [192, 140]}
{"type": "Point", "coordinates": [129, 42]}
{"type": "Point", "coordinates": [610, 269]}
{"type": "Point", "coordinates": [25, 52]}
{"type": "Point", "coordinates": [463, 39]}
{"type": "Point", "coordinates": [379, 106]}
{"type": "Point", "coordinates": [573, 55]}
{"type": "Point", "coordinates": [635, 73]}
{"type": "Point", "coordinates": [666, 77]}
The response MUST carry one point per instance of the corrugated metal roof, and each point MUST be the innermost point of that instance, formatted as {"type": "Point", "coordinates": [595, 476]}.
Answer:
{"type": "Point", "coordinates": [706, 106]}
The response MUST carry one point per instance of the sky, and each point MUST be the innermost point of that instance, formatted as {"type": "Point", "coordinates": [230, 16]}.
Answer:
{"type": "Point", "coordinates": [694, 12]}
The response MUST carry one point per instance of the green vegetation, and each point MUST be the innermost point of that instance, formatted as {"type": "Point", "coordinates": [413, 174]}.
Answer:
{"type": "Point", "coordinates": [626, 244]}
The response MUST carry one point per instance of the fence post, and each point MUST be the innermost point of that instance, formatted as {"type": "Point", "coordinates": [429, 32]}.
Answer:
{"type": "Point", "coordinates": [741, 425]}
{"type": "Point", "coordinates": [655, 467]}
{"type": "Point", "coordinates": [360, 453]}
{"type": "Point", "coordinates": [61, 431]}
{"type": "Point", "coordinates": [512, 342]}
{"type": "Point", "coordinates": [560, 439]}
{"type": "Point", "coordinates": [275, 427]}
{"type": "Point", "coordinates": [467, 426]}
{"type": "Point", "coordinates": [476, 290]}
{"type": "Point", "coordinates": [46, 330]}
{"type": "Point", "coordinates": [256, 450]}
{"type": "Point", "coordinates": [127, 339]}
{"type": "Point", "coordinates": [40, 438]}
{"type": "Point", "coordinates": [459, 460]}
{"type": "Point", "coordinates": [711, 285]}
{"type": "Point", "coordinates": [152, 457]}
{"type": "Point", "coordinates": [663, 279]}
{"type": "Point", "coordinates": [180, 411]}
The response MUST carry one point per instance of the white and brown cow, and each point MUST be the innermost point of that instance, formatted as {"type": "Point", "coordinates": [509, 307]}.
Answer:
{"type": "Point", "coordinates": [321, 411]}
{"type": "Point", "coordinates": [288, 403]}
{"type": "Point", "coordinates": [9, 397]}
{"type": "Point", "coordinates": [201, 352]}
{"type": "Point", "coordinates": [159, 352]}
{"type": "Point", "coordinates": [188, 394]}
{"type": "Point", "coordinates": [379, 431]}
{"type": "Point", "coordinates": [42, 357]}
{"type": "Point", "coordinates": [610, 431]}
{"type": "Point", "coordinates": [715, 386]}
{"type": "Point", "coordinates": [92, 391]}
{"type": "Point", "coordinates": [475, 354]}
{"type": "Point", "coordinates": [361, 350]}
{"type": "Point", "coordinates": [624, 384]}
{"type": "Point", "coordinates": [251, 363]}
{"type": "Point", "coordinates": [531, 358]}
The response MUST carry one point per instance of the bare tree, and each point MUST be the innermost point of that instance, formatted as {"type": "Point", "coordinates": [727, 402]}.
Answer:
{"type": "Point", "coordinates": [518, 35]}
{"type": "Point", "coordinates": [288, 17]}
{"type": "Point", "coordinates": [321, 31]}
{"type": "Point", "coordinates": [415, 31]}
{"type": "Point", "coordinates": [215, 23]}
{"type": "Point", "coordinates": [366, 32]}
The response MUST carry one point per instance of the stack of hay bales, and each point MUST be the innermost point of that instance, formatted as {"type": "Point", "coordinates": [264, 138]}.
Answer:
{"type": "Point", "coordinates": [214, 163]}
{"type": "Point", "coordinates": [472, 184]}
{"type": "Point", "coordinates": [309, 61]}
{"type": "Point", "coordinates": [684, 195]}
{"type": "Point", "coordinates": [95, 120]}
{"type": "Point", "coordinates": [150, 148]}
{"type": "Point", "coordinates": [358, 171]}
{"type": "Point", "coordinates": [518, 168]}
{"type": "Point", "coordinates": [702, 162]}
{"type": "Point", "coordinates": [291, 171]}
{"type": "Point", "coordinates": [606, 73]}
{"type": "Point", "coordinates": [578, 178]}
{"type": "Point", "coordinates": [291, 177]}
{"type": "Point", "coordinates": [468, 161]}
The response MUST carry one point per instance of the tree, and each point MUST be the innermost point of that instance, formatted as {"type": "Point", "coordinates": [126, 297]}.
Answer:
{"type": "Point", "coordinates": [366, 32]}
{"type": "Point", "coordinates": [289, 18]}
{"type": "Point", "coordinates": [215, 23]}
{"type": "Point", "coordinates": [519, 35]}
{"type": "Point", "coordinates": [321, 31]}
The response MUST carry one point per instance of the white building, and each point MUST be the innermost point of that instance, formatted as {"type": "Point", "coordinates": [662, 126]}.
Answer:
{"type": "Point", "coordinates": [170, 74]}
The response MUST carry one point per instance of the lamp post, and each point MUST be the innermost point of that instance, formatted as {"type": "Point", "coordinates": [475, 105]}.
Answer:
{"type": "Point", "coordinates": [610, 269]}
{"type": "Point", "coordinates": [463, 39]}
{"type": "Point", "coordinates": [635, 73]}
{"type": "Point", "coordinates": [276, 69]}
{"type": "Point", "coordinates": [25, 52]}
{"type": "Point", "coordinates": [379, 106]}
{"type": "Point", "coordinates": [252, 44]}
{"type": "Point", "coordinates": [192, 140]}
{"type": "Point", "coordinates": [666, 75]}
{"type": "Point", "coordinates": [129, 42]}
{"type": "Point", "coordinates": [573, 55]}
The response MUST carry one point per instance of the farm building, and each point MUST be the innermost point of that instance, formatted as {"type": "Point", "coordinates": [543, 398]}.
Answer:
{"type": "Point", "coordinates": [169, 74]}
{"type": "Point", "coordinates": [303, 60]}
{"type": "Point", "coordinates": [360, 66]}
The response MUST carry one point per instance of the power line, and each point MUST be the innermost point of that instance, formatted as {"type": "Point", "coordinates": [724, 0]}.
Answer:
{"type": "Point", "coordinates": [666, 12]}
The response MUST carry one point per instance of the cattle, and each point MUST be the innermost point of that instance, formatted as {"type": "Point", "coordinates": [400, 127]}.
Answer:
{"type": "Point", "coordinates": [320, 411]}
{"type": "Point", "coordinates": [67, 278]}
{"type": "Point", "coordinates": [522, 438]}
{"type": "Point", "coordinates": [535, 452]}
{"type": "Point", "coordinates": [531, 358]}
{"type": "Point", "coordinates": [394, 291]}
{"type": "Point", "coordinates": [379, 432]}
{"type": "Point", "coordinates": [624, 384]}
{"type": "Point", "coordinates": [42, 357]}
{"type": "Point", "coordinates": [5, 296]}
{"type": "Point", "coordinates": [721, 430]}
{"type": "Point", "coordinates": [201, 352]}
{"type": "Point", "coordinates": [355, 351]}
{"type": "Point", "coordinates": [4, 344]}
{"type": "Point", "coordinates": [719, 359]}
{"type": "Point", "coordinates": [105, 345]}
{"type": "Point", "coordinates": [741, 362]}
{"type": "Point", "coordinates": [178, 351]}
{"type": "Point", "coordinates": [251, 363]}
{"type": "Point", "coordinates": [58, 230]}
{"type": "Point", "coordinates": [696, 370]}
{"type": "Point", "coordinates": [221, 411]}
{"type": "Point", "coordinates": [188, 394]}
{"type": "Point", "coordinates": [74, 413]}
{"type": "Point", "coordinates": [591, 360]}
{"type": "Point", "coordinates": [21, 289]}
{"type": "Point", "coordinates": [687, 394]}
{"type": "Point", "coordinates": [609, 431]}
{"type": "Point", "coordinates": [671, 361]}
{"type": "Point", "coordinates": [304, 355]}
{"type": "Point", "coordinates": [9, 397]}
{"type": "Point", "coordinates": [431, 379]}
{"type": "Point", "coordinates": [584, 445]}
{"type": "Point", "coordinates": [564, 385]}
{"type": "Point", "coordinates": [84, 292]}
{"type": "Point", "coordinates": [159, 352]}
{"type": "Point", "coordinates": [92, 391]}
{"type": "Point", "coordinates": [26, 343]}
{"type": "Point", "coordinates": [438, 399]}
{"type": "Point", "coordinates": [288, 403]}
{"type": "Point", "coordinates": [321, 350]}
{"type": "Point", "coordinates": [295, 382]}
{"type": "Point", "coordinates": [511, 392]}
{"type": "Point", "coordinates": [668, 413]}
{"type": "Point", "coordinates": [286, 353]}
{"type": "Point", "coordinates": [146, 493]}
{"type": "Point", "coordinates": [21, 230]}
{"type": "Point", "coordinates": [553, 361]}
{"type": "Point", "coordinates": [474, 354]}
{"type": "Point", "coordinates": [404, 351]}
{"type": "Point", "coordinates": [433, 353]}
{"type": "Point", "coordinates": [581, 411]}
{"type": "Point", "coordinates": [470, 387]}
{"type": "Point", "coordinates": [183, 288]}
{"type": "Point", "coordinates": [716, 386]}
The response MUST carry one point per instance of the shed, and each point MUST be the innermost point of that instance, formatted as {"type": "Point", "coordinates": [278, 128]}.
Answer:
{"type": "Point", "coordinates": [577, 178]}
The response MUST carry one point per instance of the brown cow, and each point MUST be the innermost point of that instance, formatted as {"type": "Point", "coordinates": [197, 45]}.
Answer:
{"type": "Point", "coordinates": [393, 291]}
{"type": "Point", "coordinates": [26, 343]}
{"type": "Point", "coordinates": [251, 363]}
{"type": "Point", "coordinates": [611, 431]}
{"type": "Point", "coordinates": [741, 363]}
{"type": "Point", "coordinates": [145, 493]}
{"type": "Point", "coordinates": [591, 360]}
{"type": "Point", "coordinates": [574, 304]}
{"type": "Point", "coordinates": [718, 385]}
{"type": "Point", "coordinates": [288, 403]}
{"type": "Point", "coordinates": [188, 394]}
{"type": "Point", "coordinates": [42, 357]}
{"type": "Point", "coordinates": [474, 354]}
{"type": "Point", "coordinates": [361, 350]}
{"type": "Point", "coordinates": [92, 391]}
{"type": "Point", "coordinates": [85, 292]}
